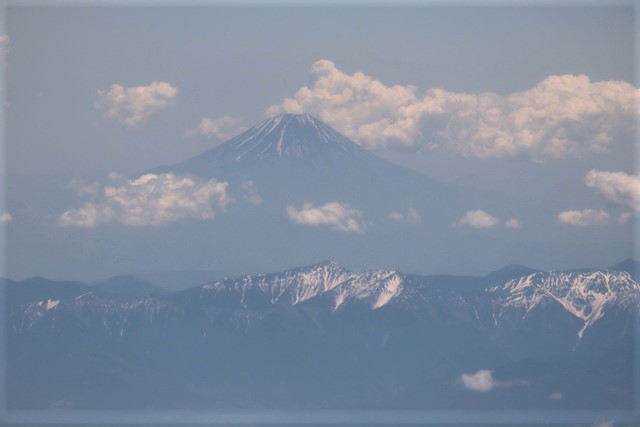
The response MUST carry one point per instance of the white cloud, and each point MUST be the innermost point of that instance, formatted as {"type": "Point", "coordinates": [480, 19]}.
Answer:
{"type": "Point", "coordinates": [585, 217]}
{"type": "Point", "coordinates": [605, 424]}
{"type": "Point", "coordinates": [151, 200]}
{"type": "Point", "coordinates": [617, 187]}
{"type": "Point", "coordinates": [481, 381]}
{"type": "Point", "coordinates": [512, 223]}
{"type": "Point", "coordinates": [477, 219]}
{"type": "Point", "coordinates": [339, 216]}
{"type": "Point", "coordinates": [221, 128]}
{"type": "Point", "coordinates": [132, 106]}
{"type": "Point", "coordinates": [5, 217]}
{"type": "Point", "coordinates": [555, 396]}
{"type": "Point", "coordinates": [560, 116]}
{"type": "Point", "coordinates": [250, 193]}
{"type": "Point", "coordinates": [410, 217]}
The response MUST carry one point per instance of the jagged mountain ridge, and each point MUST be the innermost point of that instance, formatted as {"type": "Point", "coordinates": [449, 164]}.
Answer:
{"type": "Point", "coordinates": [304, 336]}
{"type": "Point", "coordinates": [585, 295]}
{"type": "Point", "coordinates": [375, 288]}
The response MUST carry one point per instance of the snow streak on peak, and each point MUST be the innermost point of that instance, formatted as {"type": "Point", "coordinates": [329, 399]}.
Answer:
{"type": "Point", "coordinates": [585, 295]}
{"type": "Point", "coordinates": [288, 136]}
{"type": "Point", "coordinates": [373, 288]}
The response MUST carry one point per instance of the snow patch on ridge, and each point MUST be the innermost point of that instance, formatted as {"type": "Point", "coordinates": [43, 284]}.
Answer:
{"type": "Point", "coordinates": [584, 295]}
{"type": "Point", "coordinates": [375, 288]}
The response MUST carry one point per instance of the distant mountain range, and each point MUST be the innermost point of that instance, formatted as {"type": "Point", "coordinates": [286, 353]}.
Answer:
{"type": "Point", "coordinates": [324, 337]}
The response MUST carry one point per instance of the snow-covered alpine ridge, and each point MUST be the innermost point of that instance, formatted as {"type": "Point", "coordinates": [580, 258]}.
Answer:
{"type": "Point", "coordinates": [585, 295]}
{"type": "Point", "coordinates": [374, 288]}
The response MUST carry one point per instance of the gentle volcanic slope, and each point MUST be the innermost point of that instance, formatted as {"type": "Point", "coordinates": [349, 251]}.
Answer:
{"type": "Point", "coordinates": [286, 139]}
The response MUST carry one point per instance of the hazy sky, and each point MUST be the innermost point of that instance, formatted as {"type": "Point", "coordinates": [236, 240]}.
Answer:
{"type": "Point", "coordinates": [468, 94]}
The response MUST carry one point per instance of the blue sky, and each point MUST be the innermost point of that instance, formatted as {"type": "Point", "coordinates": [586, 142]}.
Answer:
{"type": "Point", "coordinates": [226, 68]}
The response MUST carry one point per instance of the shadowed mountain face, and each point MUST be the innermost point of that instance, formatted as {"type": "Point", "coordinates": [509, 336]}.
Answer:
{"type": "Point", "coordinates": [322, 337]}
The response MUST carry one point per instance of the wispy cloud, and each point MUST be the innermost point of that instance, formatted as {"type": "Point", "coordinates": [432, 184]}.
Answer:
{"type": "Point", "coordinates": [411, 216]}
{"type": "Point", "coordinates": [5, 217]}
{"type": "Point", "coordinates": [584, 218]}
{"type": "Point", "coordinates": [221, 128]}
{"type": "Point", "coordinates": [151, 200]}
{"type": "Point", "coordinates": [133, 106]}
{"type": "Point", "coordinates": [512, 223]}
{"type": "Point", "coordinates": [624, 217]}
{"type": "Point", "coordinates": [250, 193]}
{"type": "Point", "coordinates": [561, 116]}
{"type": "Point", "coordinates": [338, 216]}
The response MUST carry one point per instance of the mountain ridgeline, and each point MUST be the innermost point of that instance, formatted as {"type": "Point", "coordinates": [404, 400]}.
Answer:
{"type": "Point", "coordinates": [325, 337]}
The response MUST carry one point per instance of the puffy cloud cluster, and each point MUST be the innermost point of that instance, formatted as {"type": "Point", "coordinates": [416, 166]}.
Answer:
{"type": "Point", "coordinates": [561, 116]}
{"type": "Point", "coordinates": [338, 216]}
{"type": "Point", "coordinates": [151, 200]}
{"type": "Point", "coordinates": [409, 217]}
{"type": "Point", "coordinates": [617, 187]}
{"type": "Point", "coordinates": [477, 219]}
{"type": "Point", "coordinates": [221, 128]}
{"type": "Point", "coordinates": [481, 381]}
{"type": "Point", "coordinates": [584, 218]}
{"type": "Point", "coordinates": [5, 217]}
{"type": "Point", "coordinates": [132, 106]}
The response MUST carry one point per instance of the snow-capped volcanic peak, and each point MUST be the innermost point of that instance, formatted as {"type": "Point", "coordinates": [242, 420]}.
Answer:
{"type": "Point", "coordinates": [585, 295]}
{"type": "Point", "coordinates": [288, 136]}
{"type": "Point", "coordinates": [375, 288]}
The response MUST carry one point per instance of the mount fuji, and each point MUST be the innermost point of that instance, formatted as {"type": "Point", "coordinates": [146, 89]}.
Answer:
{"type": "Point", "coordinates": [294, 160]}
